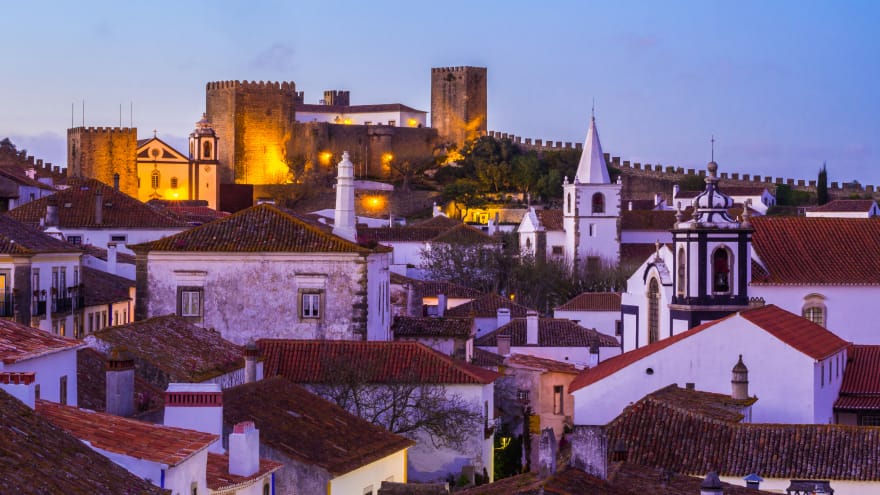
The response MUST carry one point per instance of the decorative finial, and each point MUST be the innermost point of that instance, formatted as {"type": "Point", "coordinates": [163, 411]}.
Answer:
{"type": "Point", "coordinates": [593, 112]}
{"type": "Point", "coordinates": [746, 217]}
{"type": "Point", "coordinates": [713, 147]}
{"type": "Point", "coordinates": [154, 132]}
{"type": "Point", "coordinates": [679, 215]}
{"type": "Point", "coordinates": [657, 249]}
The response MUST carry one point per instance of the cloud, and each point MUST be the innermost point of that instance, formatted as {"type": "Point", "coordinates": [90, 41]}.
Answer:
{"type": "Point", "coordinates": [279, 56]}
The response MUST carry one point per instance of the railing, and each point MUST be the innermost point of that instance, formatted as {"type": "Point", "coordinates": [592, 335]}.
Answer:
{"type": "Point", "coordinates": [61, 304]}
{"type": "Point", "coordinates": [38, 308]}
{"type": "Point", "coordinates": [7, 304]}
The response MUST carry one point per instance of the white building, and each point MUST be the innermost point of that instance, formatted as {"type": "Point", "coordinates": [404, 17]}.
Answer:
{"type": "Point", "coordinates": [599, 310]}
{"type": "Point", "coordinates": [50, 359]}
{"type": "Point", "coordinates": [846, 208]}
{"type": "Point", "coordinates": [795, 367]}
{"type": "Point", "coordinates": [335, 109]}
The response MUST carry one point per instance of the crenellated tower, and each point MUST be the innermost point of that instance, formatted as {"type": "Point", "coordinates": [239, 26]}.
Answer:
{"type": "Point", "coordinates": [102, 153]}
{"type": "Point", "coordinates": [458, 103]}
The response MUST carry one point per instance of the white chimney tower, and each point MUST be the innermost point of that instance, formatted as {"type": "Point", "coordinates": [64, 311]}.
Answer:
{"type": "Point", "coordinates": [532, 328]}
{"type": "Point", "coordinates": [244, 449]}
{"type": "Point", "coordinates": [196, 406]}
{"type": "Point", "coordinates": [344, 221]}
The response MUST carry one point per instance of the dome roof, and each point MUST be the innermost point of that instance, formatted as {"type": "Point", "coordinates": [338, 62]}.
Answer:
{"type": "Point", "coordinates": [711, 205]}
{"type": "Point", "coordinates": [203, 127]}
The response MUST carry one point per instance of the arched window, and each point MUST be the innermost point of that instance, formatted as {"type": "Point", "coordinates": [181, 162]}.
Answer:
{"type": "Point", "coordinates": [154, 179]}
{"type": "Point", "coordinates": [528, 244]}
{"type": "Point", "coordinates": [653, 311]}
{"type": "Point", "coordinates": [569, 202]}
{"type": "Point", "coordinates": [206, 153]}
{"type": "Point", "coordinates": [721, 271]}
{"type": "Point", "coordinates": [682, 273]}
{"type": "Point", "coordinates": [174, 183]}
{"type": "Point", "coordinates": [598, 203]}
{"type": "Point", "coordinates": [814, 309]}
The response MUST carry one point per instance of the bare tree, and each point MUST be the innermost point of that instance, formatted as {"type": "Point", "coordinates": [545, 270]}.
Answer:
{"type": "Point", "coordinates": [403, 405]}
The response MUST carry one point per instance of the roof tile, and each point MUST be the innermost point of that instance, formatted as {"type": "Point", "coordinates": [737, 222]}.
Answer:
{"type": "Point", "coordinates": [410, 326]}
{"type": "Point", "coordinates": [552, 332]}
{"type": "Point", "coordinates": [487, 307]}
{"type": "Point", "coordinates": [593, 301]}
{"type": "Point", "coordinates": [20, 342]}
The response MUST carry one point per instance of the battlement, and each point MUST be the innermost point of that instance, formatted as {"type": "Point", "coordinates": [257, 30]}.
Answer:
{"type": "Point", "coordinates": [101, 130]}
{"type": "Point", "coordinates": [337, 97]}
{"type": "Point", "coordinates": [537, 144]}
{"type": "Point", "coordinates": [460, 68]}
{"type": "Point", "coordinates": [252, 85]}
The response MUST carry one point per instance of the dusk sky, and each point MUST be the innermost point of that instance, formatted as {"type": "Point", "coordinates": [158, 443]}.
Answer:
{"type": "Point", "coordinates": [783, 85]}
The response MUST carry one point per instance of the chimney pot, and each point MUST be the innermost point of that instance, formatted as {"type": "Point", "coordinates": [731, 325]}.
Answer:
{"type": "Point", "coordinates": [532, 328]}
{"type": "Point", "coordinates": [441, 305]}
{"type": "Point", "coordinates": [244, 449]}
{"type": "Point", "coordinates": [251, 354]}
{"type": "Point", "coordinates": [502, 316]}
{"type": "Point", "coordinates": [503, 343]}
{"type": "Point", "coordinates": [119, 387]}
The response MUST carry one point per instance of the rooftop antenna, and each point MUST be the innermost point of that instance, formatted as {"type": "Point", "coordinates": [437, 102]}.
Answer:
{"type": "Point", "coordinates": [713, 147]}
{"type": "Point", "coordinates": [131, 114]}
{"type": "Point", "coordinates": [71, 114]}
{"type": "Point", "coordinates": [154, 132]}
{"type": "Point", "coordinates": [593, 112]}
{"type": "Point", "coordinates": [120, 115]}
{"type": "Point", "coordinates": [84, 112]}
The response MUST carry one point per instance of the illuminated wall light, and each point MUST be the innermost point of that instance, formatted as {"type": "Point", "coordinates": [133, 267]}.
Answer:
{"type": "Point", "coordinates": [347, 121]}
{"type": "Point", "coordinates": [413, 122]}
{"type": "Point", "coordinates": [325, 157]}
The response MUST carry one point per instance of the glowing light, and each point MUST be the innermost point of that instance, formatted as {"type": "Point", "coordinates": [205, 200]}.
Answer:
{"type": "Point", "coordinates": [324, 157]}
{"type": "Point", "coordinates": [374, 202]}
{"type": "Point", "coordinates": [413, 122]}
{"type": "Point", "coordinates": [346, 121]}
{"type": "Point", "coordinates": [387, 157]}
{"type": "Point", "coordinates": [175, 195]}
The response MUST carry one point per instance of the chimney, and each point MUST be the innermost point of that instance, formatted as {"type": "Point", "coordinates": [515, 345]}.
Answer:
{"type": "Point", "coordinates": [344, 219]}
{"type": "Point", "coordinates": [435, 210]}
{"type": "Point", "coordinates": [502, 316]}
{"type": "Point", "coordinates": [547, 447]}
{"type": "Point", "coordinates": [711, 484]}
{"type": "Point", "coordinates": [589, 450]}
{"type": "Point", "coordinates": [675, 190]}
{"type": "Point", "coordinates": [740, 380]}
{"type": "Point", "coordinates": [99, 207]}
{"type": "Point", "coordinates": [111, 258]}
{"type": "Point", "coordinates": [244, 449]}
{"type": "Point", "coordinates": [594, 354]}
{"type": "Point", "coordinates": [532, 328]}
{"type": "Point", "coordinates": [441, 305]}
{"type": "Point", "coordinates": [51, 212]}
{"type": "Point", "coordinates": [753, 481]}
{"type": "Point", "coordinates": [196, 406]}
{"type": "Point", "coordinates": [503, 343]}
{"type": "Point", "coordinates": [21, 385]}
{"type": "Point", "coordinates": [630, 206]}
{"type": "Point", "coordinates": [31, 173]}
{"type": "Point", "coordinates": [690, 386]}
{"type": "Point", "coordinates": [251, 354]}
{"type": "Point", "coordinates": [119, 388]}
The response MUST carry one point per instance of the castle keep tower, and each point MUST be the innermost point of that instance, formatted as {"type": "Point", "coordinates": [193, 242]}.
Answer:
{"type": "Point", "coordinates": [458, 103]}
{"type": "Point", "coordinates": [254, 122]}
{"type": "Point", "coordinates": [101, 153]}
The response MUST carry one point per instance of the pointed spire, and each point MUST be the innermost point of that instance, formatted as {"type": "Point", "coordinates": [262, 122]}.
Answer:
{"type": "Point", "coordinates": [592, 169]}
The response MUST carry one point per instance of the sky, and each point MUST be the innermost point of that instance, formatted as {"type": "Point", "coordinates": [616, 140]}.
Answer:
{"type": "Point", "coordinates": [784, 86]}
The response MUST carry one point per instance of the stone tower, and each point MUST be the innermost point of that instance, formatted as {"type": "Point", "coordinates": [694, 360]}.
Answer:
{"type": "Point", "coordinates": [101, 153]}
{"type": "Point", "coordinates": [458, 103]}
{"type": "Point", "coordinates": [591, 211]}
{"type": "Point", "coordinates": [254, 122]}
{"type": "Point", "coordinates": [203, 151]}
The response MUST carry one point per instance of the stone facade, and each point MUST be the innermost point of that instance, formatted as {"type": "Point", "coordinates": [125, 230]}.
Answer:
{"type": "Point", "coordinates": [101, 153]}
{"type": "Point", "coordinates": [458, 103]}
{"type": "Point", "coordinates": [253, 121]}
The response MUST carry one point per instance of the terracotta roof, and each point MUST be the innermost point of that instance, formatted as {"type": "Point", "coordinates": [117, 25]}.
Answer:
{"type": "Point", "coordinates": [550, 219]}
{"type": "Point", "coordinates": [540, 363]}
{"type": "Point", "coordinates": [314, 361]}
{"type": "Point", "coordinates": [743, 190]}
{"type": "Point", "coordinates": [464, 234]}
{"type": "Point", "coordinates": [18, 175]}
{"type": "Point", "coordinates": [799, 333]}
{"type": "Point", "coordinates": [219, 477]}
{"type": "Point", "coordinates": [441, 222]}
{"type": "Point", "coordinates": [487, 307]}
{"type": "Point", "coordinates": [486, 359]}
{"type": "Point", "coordinates": [170, 349]}
{"type": "Point", "coordinates": [193, 215]}
{"type": "Point", "coordinates": [129, 437]}
{"type": "Point", "coordinates": [710, 404]}
{"type": "Point", "coordinates": [396, 234]}
{"type": "Point", "coordinates": [396, 488]}
{"type": "Point", "coordinates": [380, 107]}
{"type": "Point", "coordinates": [635, 254]}
{"type": "Point", "coordinates": [593, 301]}
{"type": "Point", "coordinates": [101, 254]}
{"type": "Point", "coordinates": [430, 288]}
{"type": "Point", "coordinates": [849, 205]}
{"type": "Point", "coordinates": [91, 385]}
{"type": "Point", "coordinates": [40, 458]}
{"type": "Point", "coordinates": [812, 251]}
{"type": "Point", "coordinates": [647, 219]}
{"type": "Point", "coordinates": [76, 209]}
{"type": "Point", "coordinates": [258, 229]}
{"type": "Point", "coordinates": [100, 287]}
{"type": "Point", "coordinates": [552, 332]}
{"type": "Point", "coordinates": [16, 238]}
{"type": "Point", "coordinates": [399, 279]}
{"type": "Point", "coordinates": [410, 326]}
{"type": "Point", "coordinates": [685, 441]}
{"type": "Point", "coordinates": [20, 342]}
{"type": "Point", "coordinates": [861, 379]}
{"type": "Point", "coordinates": [307, 428]}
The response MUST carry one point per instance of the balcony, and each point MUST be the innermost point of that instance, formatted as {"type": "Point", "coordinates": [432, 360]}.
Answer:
{"type": "Point", "coordinates": [7, 304]}
{"type": "Point", "coordinates": [61, 304]}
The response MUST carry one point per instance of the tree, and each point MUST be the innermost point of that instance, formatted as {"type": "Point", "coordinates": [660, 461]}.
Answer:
{"type": "Point", "coordinates": [406, 406]}
{"type": "Point", "coordinates": [525, 172]}
{"type": "Point", "coordinates": [472, 265]}
{"type": "Point", "coordinates": [822, 186]}
{"type": "Point", "coordinates": [465, 193]}
{"type": "Point", "coordinates": [407, 168]}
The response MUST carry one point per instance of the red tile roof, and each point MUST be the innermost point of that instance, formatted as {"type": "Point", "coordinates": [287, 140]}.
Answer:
{"type": "Point", "coordinates": [410, 326]}
{"type": "Point", "coordinates": [396, 234]}
{"type": "Point", "coordinates": [380, 107]}
{"type": "Point", "coordinates": [550, 219]}
{"type": "Point", "coordinates": [430, 288]}
{"type": "Point", "coordinates": [20, 342]}
{"type": "Point", "coordinates": [307, 428]}
{"type": "Point", "coordinates": [464, 234]}
{"type": "Point", "coordinates": [848, 205]}
{"type": "Point", "coordinates": [540, 363]}
{"type": "Point", "coordinates": [817, 251]}
{"type": "Point", "coordinates": [91, 385]}
{"type": "Point", "coordinates": [593, 301]}
{"type": "Point", "coordinates": [799, 333]}
{"type": "Point", "coordinates": [721, 407]}
{"type": "Point", "coordinates": [170, 349]}
{"type": "Point", "coordinates": [647, 220]}
{"type": "Point", "coordinates": [100, 287]}
{"type": "Point", "coordinates": [258, 229]}
{"type": "Point", "coordinates": [635, 254]}
{"type": "Point", "coordinates": [101, 254]}
{"type": "Point", "coordinates": [76, 209]}
{"type": "Point", "coordinates": [40, 458]}
{"type": "Point", "coordinates": [16, 238]}
{"type": "Point", "coordinates": [219, 477]}
{"type": "Point", "coordinates": [441, 222]}
{"type": "Point", "coordinates": [675, 438]}
{"type": "Point", "coordinates": [315, 361]}
{"type": "Point", "coordinates": [552, 332]}
{"type": "Point", "coordinates": [486, 359]}
{"type": "Point", "coordinates": [487, 307]}
{"type": "Point", "coordinates": [860, 389]}
{"type": "Point", "coordinates": [129, 437]}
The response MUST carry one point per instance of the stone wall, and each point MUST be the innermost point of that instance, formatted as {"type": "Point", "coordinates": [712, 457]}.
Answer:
{"type": "Point", "coordinates": [459, 102]}
{"type": "Point", "coordinates": [101, 152]}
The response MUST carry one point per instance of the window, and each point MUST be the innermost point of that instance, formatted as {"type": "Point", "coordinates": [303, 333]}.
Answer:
{"type": "Point", "coordinates": [311, 305]}
{"type": "Point", "coordinates": [653, 311]}
{"type": "Point", "coordinates": [154, 179]}
{"type": "Point", "coordinates": [266, 489]}
{"type": "Point", "coordinates": [174, 183]}
{"type": "Point", "coordinates": [721, 271]}
{"type": "Point", "coordinates": [103, 319]}
{"type": "Point", "coordinates": [869, 420]}
{"type": "Point", "coordinates": [528, 243]}
{"type": "Point", "coordinates": [392, 123]}
{"type": "Point", "coordinates": [568, 203]}
{"type": "Point", "coordinates": [190, 301]}
{"type": "Point", "coordinates": [558, 404]}
{"type": "Point", "coordinates": [368, 122]}
{"type": "Point", "coordinates": [194, 488]}
{"type": "Point", "coordinates": [557, 250]}
{"type": "Point", "coordinates": [37, 391]}
{"type": "Point", "coordinates": [77, 331]}
{"type": "Point", "coordinates": [522, 395]}
{"type": "Point", "coordinates": [814, 309]}
{"type": "Point", "coordinates": [91, 322]}
{"type": "Point", "coordinates": [594, 264]}
{"type": "Point", "coordinates": [822, 372]}
{"type": "Point", "coordinates": [206, 150]}
{"type": "Point", "coordinates": [598, 203]}
{"type": "Point", "coordinates": [75, 239]}
{"type": "Point", "coordinates": [118, 238]}
{"type": "Point", "coordinates": [62, 390]}
{"type": "Point", "coordinates": [592, 230]}
{"type": "Point", "coordinates": [682, 273]}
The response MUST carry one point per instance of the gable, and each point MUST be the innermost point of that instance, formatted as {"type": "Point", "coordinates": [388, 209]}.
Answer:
{"type": "Point", "coordinates": [157, 150]}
